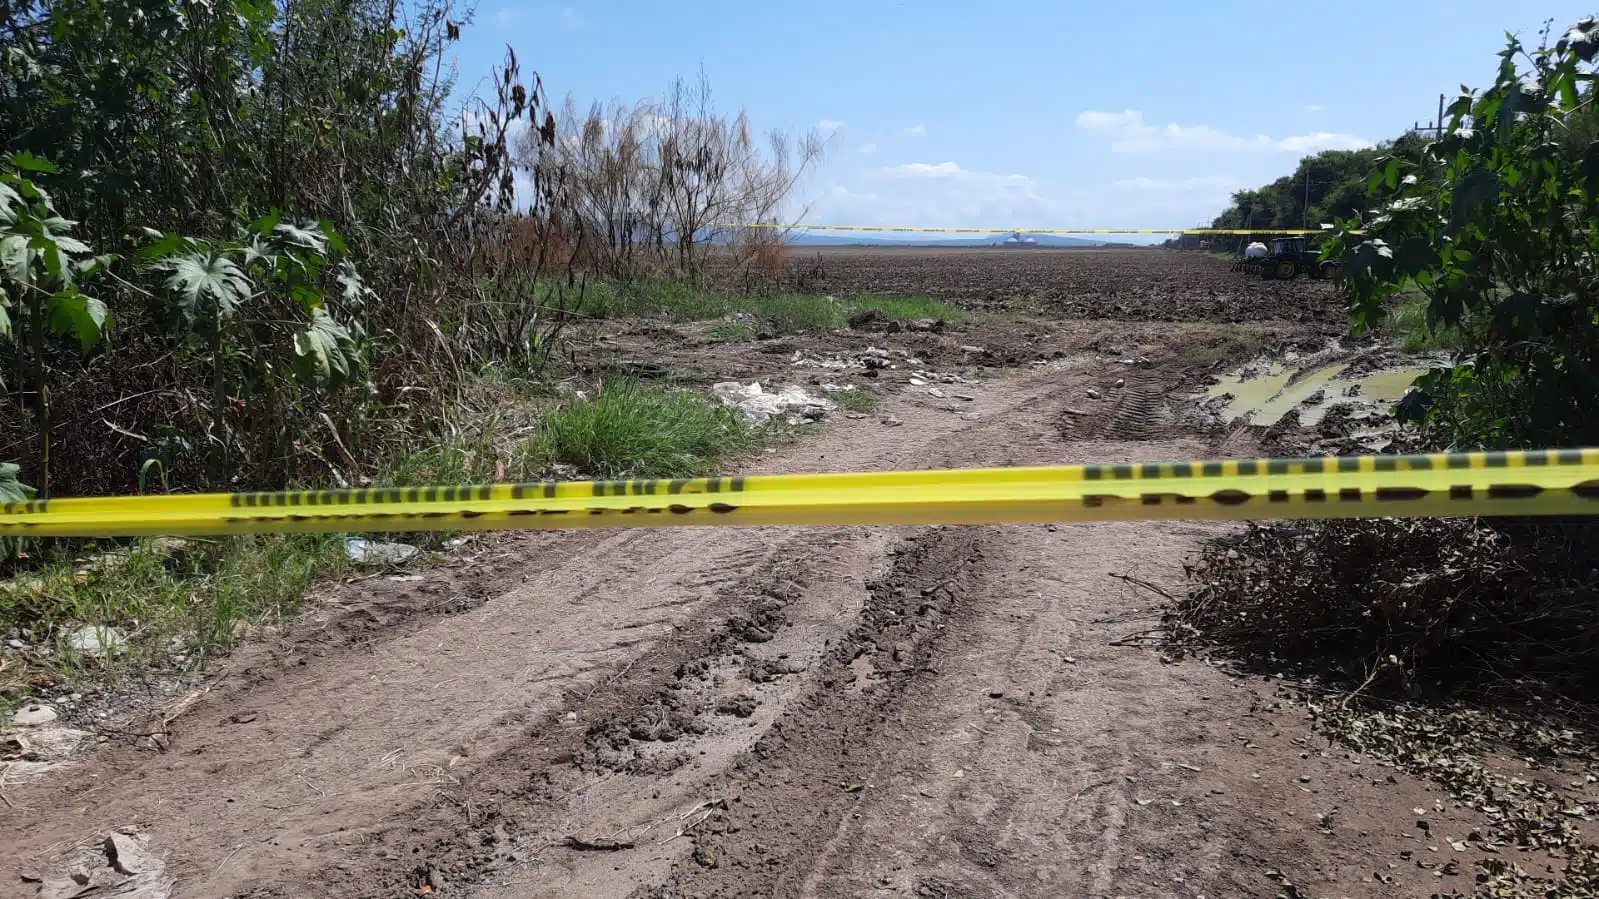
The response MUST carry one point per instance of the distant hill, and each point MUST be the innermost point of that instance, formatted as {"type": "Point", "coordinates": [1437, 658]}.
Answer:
{"type": "Point", "coordinates": [1048, 241]}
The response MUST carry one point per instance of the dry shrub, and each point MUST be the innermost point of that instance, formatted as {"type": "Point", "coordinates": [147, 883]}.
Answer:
{"type": "Point", "coordinates": [1406, 609]}
{"type": "Point", "coordinates": [657, 187]}
{"type": "Point", "coordinates": [765, 254]}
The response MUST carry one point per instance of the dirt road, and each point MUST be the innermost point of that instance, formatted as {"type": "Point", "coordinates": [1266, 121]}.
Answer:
{"type": "Point", "coordinates": [790, 712]}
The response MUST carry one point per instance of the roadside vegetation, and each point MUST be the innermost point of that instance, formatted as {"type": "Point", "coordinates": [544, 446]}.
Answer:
{"type": "Point", "coordinates": [775, 313]}
{"type": "Point", "coordinates": [1223, 344]}
{"type": "Point", "coordinates": [1407, 321]}
{"type": "Point", "coordinates": [253, 246]}
{"type": "Point", "coordinates": [1434, 645]}
{"type": "Point", "coordinates": [631, 429]}
{"type": "Point", "coordinates": [159, 604]}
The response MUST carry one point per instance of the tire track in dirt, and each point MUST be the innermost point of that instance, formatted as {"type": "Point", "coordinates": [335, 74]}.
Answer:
{"type": "Point", "coordinates": [629, 805]}
{"type": "Point", "coordinates": [309, 767]}
{"type": "Point", "coordinates": [1029, 750]}
{"type": "Point", "coordinates": [1142, 407]}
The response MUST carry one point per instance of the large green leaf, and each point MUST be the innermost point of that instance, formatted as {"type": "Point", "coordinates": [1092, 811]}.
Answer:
{"type": "Point", "coordinates": [263, 226]}
{"type": "Point", "coordinates": [335, 241]}
{"type": "Point", "coordinates": [1590, 171]}
{"type": "Point", "coordinates": [308, 237]}
{"type": "Point", "coordinates": [12, 490]}
{"type": "Point", "coordinates": [16, 259]}
{"type": "Point", "coordinates": [354, 289]}
{"type": "Point", "coordinates": [74, 315]}
{"type": "Point", "coordinates": [324, 353]}
{"type": "Point", "coordinates": [9, 201]}
{"type": "Point", "coordinates": [1475, 192]}
{"type": "Point", "coordinates": [1582, 40]}
{"type": "Point", "coordinates": [206, 282]}
{"type": "Point", "coordinates": [27, 162]}
{"type": "Point", "coordinates": [163, 246]}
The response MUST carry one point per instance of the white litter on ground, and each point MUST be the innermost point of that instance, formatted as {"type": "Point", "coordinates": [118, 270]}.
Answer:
{"type": "Point", "coordinates": [759, 407]}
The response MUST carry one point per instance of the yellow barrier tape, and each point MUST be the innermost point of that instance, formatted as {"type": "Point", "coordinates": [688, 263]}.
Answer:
{"type": "Point", "coordinates": [906, 228]}
{"type": "Point", "coordinates": [1535, 482]}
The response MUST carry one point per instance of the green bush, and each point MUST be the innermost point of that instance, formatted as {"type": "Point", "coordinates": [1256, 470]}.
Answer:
{"type": "Point", "coordinates": [1494, 225]}
{"type": "Point", "coordinates": [638, 430]}
{"type": "Point", "coordinates": [137, 121]}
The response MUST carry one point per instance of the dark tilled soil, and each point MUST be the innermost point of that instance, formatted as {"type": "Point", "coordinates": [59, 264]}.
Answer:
{"type": "Point", "coordinates": [1129, 285]}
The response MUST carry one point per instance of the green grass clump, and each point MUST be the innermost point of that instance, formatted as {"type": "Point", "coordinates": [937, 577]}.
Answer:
{"type": "Point", "coordinates": [796, 313]}
{"type": "Point", "coordinates": [631, 429]}
{"type": "Point", "coordinates": [476, 456]}
{"type": "Point", "coordinates": [910, 308]}
{"type": "Point", "coordinates": [854, 400]}
{"type": "Point", "coordinates": [730, 330]}
{"type": "Point", "coordinates": [783, 313]}
{"type": "Point", "coordinates": [1408, 322]}
{"type": "Point", "coordinates": [189, 597]}
{"type": "Point", "coordinates": [1227, 343]}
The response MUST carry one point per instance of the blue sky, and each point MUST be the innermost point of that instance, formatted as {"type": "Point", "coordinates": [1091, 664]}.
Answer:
{"type": "Point", "coordinates": [1043, 114]}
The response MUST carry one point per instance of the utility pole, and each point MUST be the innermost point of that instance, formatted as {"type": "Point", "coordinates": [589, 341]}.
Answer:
{"type": "Point", "coordinates": [1306, 210]}
{"type": "Point", "coordinates": [1436, 126]}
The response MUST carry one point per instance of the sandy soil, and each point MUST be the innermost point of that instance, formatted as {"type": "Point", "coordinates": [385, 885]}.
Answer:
{"type": "Point", "coordinates": [778, 711]}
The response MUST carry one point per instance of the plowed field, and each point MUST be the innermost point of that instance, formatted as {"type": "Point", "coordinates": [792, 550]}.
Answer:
{"type": "Point", "coordinates": [1135, 285]}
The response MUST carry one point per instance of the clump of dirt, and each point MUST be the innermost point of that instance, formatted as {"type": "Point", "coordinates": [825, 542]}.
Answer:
{"type": "Point", "coordinates": [666, 718]}
{"type": "Point", "coordinates": [740, 706]}
{"type": "Point", "coordinates": [1439, 646]}
{"type": "Point", "coordinates": [677, 711]}
{"type": "Point", "coordinates": [758, 627]}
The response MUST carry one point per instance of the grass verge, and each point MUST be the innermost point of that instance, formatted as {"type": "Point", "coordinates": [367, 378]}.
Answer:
{"type": "Point", "coordinates": [158, 603]}
{"type": "Point", "coordinates": [631, 429]}
{"type": "Point", "coordinates": [785, 313]}
{"type": "Point", "coordinates": [1227, 343]}
{"type": "Point", "coordinates": [855, 400]}
{"type": "Point", "coordinates": [77, 611]}
{"type": "Point", "coordinates": [1407, 322]}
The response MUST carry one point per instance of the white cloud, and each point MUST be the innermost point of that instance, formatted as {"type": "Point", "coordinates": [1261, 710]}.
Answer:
{"type": "Point", "coordinates": [1313, 107]}
{"type": "Point", "coordinates": [939, 194]}
{"type": "Point", "coordinates": [916, 130]}
{"type": "Point", "coordinates": [947, 194]}
{"type": "Point", "coordinates": [922, 170]}
{"type": "Point", "coordinates": [1129, 133]}
{"type": "Point", "coordinates": [828, 126]}
{"type": "Point", "coordinates": [1211, 183]}
{"type": "Point", "coordinates": [947, 171]}
{"type": "Point", "coordinates": [868, 148]}
{"type": "Point", "coordinates": [1322, 140]}
{"type": "Point", "coordinates": [1126, 120]}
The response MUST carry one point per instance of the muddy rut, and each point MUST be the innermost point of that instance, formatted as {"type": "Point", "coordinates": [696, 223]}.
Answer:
{"type": "Point", "coordinates": [775, 711]}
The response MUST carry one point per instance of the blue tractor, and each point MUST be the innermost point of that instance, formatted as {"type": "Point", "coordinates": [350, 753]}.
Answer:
{"type": "Point", "coordinates": [1290, 258]}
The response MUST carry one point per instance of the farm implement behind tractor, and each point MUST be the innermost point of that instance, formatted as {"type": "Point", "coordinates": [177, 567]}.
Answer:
{"type": "Point", "coordinates": [1287, 259]}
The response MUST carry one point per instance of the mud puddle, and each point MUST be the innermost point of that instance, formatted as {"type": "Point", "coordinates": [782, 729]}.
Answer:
{"type": "Point", "coordinates": [1264, 394]}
